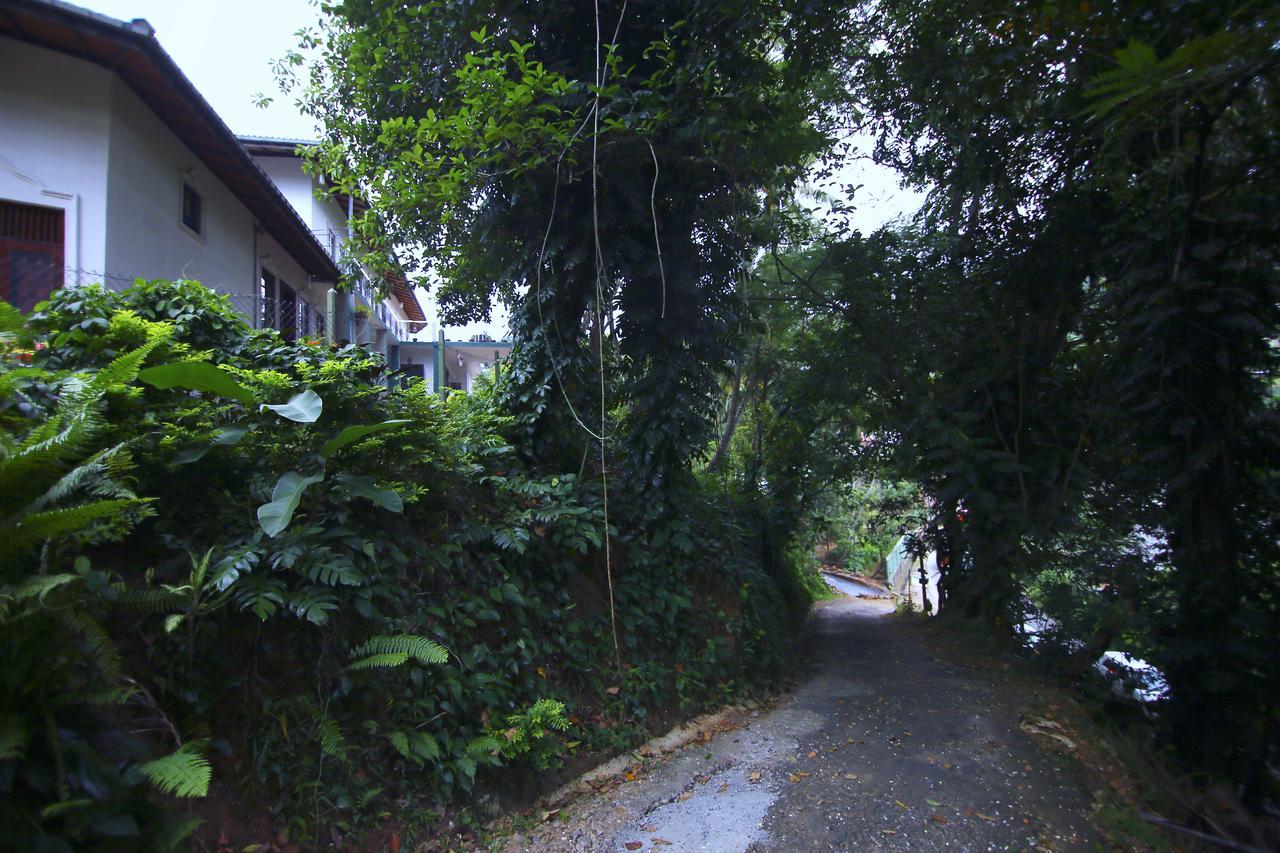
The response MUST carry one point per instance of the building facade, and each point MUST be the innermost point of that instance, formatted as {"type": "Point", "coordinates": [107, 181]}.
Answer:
{"type": "Point", "coordinates": [113, 167]}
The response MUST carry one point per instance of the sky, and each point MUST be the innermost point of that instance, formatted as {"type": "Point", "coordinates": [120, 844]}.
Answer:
{"type": "Point", "coordinates": [226, 49]}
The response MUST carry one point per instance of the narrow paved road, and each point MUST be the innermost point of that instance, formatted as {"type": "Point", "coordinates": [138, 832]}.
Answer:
{"type": "Point", "coordinates": [889, 743]}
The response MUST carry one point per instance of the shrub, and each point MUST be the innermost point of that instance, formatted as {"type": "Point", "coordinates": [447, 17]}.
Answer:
{"type": "Point", "coordinates": [355, 594]}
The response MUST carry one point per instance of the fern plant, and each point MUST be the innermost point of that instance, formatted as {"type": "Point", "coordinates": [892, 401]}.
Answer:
{"type": "Point", "coordinates": [62, 491]}
{"type": "Point", "coordinates": [395, 650]}
{"type": "Point", "coordinates": [183, 773]}
{"type": "Point", "coordinates": [530, 733]}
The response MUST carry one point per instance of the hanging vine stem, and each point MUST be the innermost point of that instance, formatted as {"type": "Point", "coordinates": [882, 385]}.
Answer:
{"type": "Point", "coordinates": [592, 114]}
{"type": "Point", "coordinates": [593, 117]}
{"type": "Point", "coordinates": [657, 243]}
{"type": "Point", "coordinates": [595, 226]}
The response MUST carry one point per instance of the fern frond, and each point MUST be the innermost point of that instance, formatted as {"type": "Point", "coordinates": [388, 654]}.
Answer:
{"type": "Point", "coordinates": [124, 369]}
{"type": "Point", "coordinates": [171, 836]}
{"type": "Point", "coordinates": [146, 602]}
{"type": "Point", "coordinates": [11, 321]}
{"type": "Point", "coordinates": [400, 741]}
{"type": "Point", "coordinates": [97, 643]}
{"type": "Point", "coordinates": [39, 527]}
{"type": "Point", "coordinates": [396, 649]}
{"type": "Point", "coordinates": [425, 745]}
{"type": "Point", "coordinates": [185, 773]}
{"type": "Point", "coordinates": [380, 661]}
{"type": "Point", "coordinates": [36, 586]}
{"type": "Point", "coordinates": [97, 475]}
{"type": "Point", "coordinates": [484, 746]}
{"type": "Point", "coordinates": [332, 740]}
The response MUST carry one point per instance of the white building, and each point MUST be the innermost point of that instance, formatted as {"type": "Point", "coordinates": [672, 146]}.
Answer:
{"type": "Point", "coordinates": [113, 167]}
{"type": "Point", "coordinates": [384, 323]}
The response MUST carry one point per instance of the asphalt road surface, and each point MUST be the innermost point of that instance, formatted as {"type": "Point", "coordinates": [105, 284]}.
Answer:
{"type": "Point", "coordinates": [891, 742]}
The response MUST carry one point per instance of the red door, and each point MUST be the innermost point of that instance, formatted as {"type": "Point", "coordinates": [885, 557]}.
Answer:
{"type": "Point", "coordinates": [31, 240]}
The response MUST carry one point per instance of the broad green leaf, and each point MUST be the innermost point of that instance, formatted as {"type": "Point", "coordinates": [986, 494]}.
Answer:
{"type": "Point", "coordinates": [1136, 56]}
{"type": "Point", "coordinates": [305, 408]}
{"type": "Point", "coordinates": [362, 486]}
{"type": "Point", "coordinates": [225, 437]}
{"type": "Point", "coordinates": [64, 807]}
{"type": "Point", "coordinates": [354, 433]}
{"type": "Point", "coordinates": [197, 376]}
{"type": "Point", "coordinates": [230, 436]}
{"type": "Point", "coordinates": [193, 453]}
{"type": "Point", "coordinates": [274, 517]}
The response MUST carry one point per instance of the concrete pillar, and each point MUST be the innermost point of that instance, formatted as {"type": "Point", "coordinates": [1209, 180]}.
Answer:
{"type": "Point", "coordinates": [438, 377]}
{"type": "Point", "coordinates": [344, 311]}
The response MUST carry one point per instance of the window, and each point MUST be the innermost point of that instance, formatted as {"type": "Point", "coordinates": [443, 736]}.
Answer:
{"type": "Point", "coordinates": [280, 307]}
{"type": "Point", "coordinates": [267, 300]}
{"type": "Point", "coordinates": [192, 209]}
{"type": "Point", "coordinates": [31, 243]}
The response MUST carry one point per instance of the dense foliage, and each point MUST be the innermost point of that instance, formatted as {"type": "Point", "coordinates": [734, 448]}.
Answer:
{"type": "Point", "coordinates": [254, 567]}
{"type": "Point", "coordinates": [250, 567]}
{"type": "Point", "coordinates": [607, 170]}
{"type": "Point", "coordinates": [1072, 349]}
{"type": "Point", "coordinates": [1070, 353]}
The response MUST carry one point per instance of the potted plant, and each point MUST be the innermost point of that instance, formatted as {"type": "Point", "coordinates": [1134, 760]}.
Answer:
{"type": "Point", "coordinates": [363, 314]}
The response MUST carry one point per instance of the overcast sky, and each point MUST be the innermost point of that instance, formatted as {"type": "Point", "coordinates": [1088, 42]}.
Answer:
{"type": "Point", "coordinates": [226, 48]}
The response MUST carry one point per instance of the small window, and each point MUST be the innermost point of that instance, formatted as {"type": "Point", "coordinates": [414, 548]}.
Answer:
{"type": "Point", "coordinates": [192, 209]}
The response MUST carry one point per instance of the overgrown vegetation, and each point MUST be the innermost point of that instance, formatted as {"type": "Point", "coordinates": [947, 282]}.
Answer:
{"type": "Point", "coordinates": [264, 567]}
{"type": "Point", "coordinates": [1071, 350]}
{"type": "Point", "coordinates": [237, 562]}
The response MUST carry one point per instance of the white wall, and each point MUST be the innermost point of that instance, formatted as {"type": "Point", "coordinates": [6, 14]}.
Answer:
{"type": "Point", "coordinates": [321, 215]}
{"type": "Point", "coordinates": [145, 234]}
{"type": "Point", "coordinates": [54, 135]}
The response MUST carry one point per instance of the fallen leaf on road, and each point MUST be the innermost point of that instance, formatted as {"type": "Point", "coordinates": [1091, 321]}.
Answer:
{"type": "Point", "coordinates": [984, 817]}
{"type": "Point", "coordinates": [687, 795]}
{"type": "Point", "coordinates": [796, 777]}
{"type": "Point", "coordinates": [649, 828]}
{"type": "Point", "coordinates": [722, 788]}
{"type": "Point", "coordinates": [753, 776]}
{"type": "Point", "coordinates": [851, 776]}
{"type": "Point", "coordinates": [633, 845]}
{"type": "Point", "coordinates": [901, 804]}
{"type": "Point", "coordinates": [812, 753]}
{"type": "Point", "coordinates": [1047, 728]}
{"type": "Point", "coordinates": [629, 776]}
{"type": "Point", "coordinates": [889, 832]}
{"type": "Point", "coordinates": [546, 816]}
{"type": "Point", "coordinates": [613, 691]}
{"type": "Point", "coordinates": [939, 819]}
{"type": "Point", "coordinates": [933, 803]}
{"type": "Point", "coordinates": [660, 842]}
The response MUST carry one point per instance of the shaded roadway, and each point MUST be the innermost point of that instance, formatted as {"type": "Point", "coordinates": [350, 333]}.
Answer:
{"type": "Point", "coordinates": [891, 742]}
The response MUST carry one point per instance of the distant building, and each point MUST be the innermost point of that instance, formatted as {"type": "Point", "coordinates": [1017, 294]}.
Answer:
{"type": "Point", "coordinates": [388, 322]}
